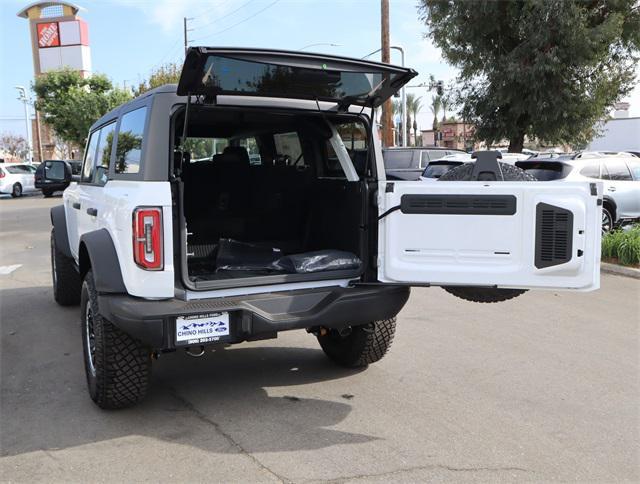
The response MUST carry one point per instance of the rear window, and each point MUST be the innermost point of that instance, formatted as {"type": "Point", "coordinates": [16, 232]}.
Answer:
{"type": "Point", "coordinates": [436, 170]}
{"type": "Point", "coordinates": [54, 170]}
{"type": "Point", "coordinates": [227, 75]}
{"type": "Point", "coordinates": [398, 159]}
{"type": "Point", "coordinates": [545, 171]}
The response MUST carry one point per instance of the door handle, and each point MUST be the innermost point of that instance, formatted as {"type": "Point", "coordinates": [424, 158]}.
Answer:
{"type": "Point", "coordinates": [611, 189]}
{"type": "Point", "coordinates": [76, 205]}
{"type": "Point", "coordinates": [92, 211]}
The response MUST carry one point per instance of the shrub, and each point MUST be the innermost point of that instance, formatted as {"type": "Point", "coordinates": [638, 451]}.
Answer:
{"type": "Point", "coordinates": [623, 245]}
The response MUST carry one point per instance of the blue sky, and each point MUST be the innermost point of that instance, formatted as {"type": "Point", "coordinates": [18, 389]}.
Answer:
{"type": "Point", "coordinates": [129, 37]}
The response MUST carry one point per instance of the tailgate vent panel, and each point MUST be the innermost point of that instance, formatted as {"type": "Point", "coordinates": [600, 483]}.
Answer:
{"type": "Point", "coordinates": [458, 204]}
{"type": "Point", "coordinates": [554, 235]}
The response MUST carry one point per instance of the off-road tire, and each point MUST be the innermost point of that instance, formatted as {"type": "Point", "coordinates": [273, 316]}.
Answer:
{"type": "Point", "coordinates": [16, 191]}
{"type": "Point", "coordinates": [362, 345]}
{"type": "Point", "coordinates": [47, 193]}
{"type": "Point", "coordinates": [121, 364]}
{"type": "Point", "coordinates": [66, 280]}
{"type": "Point", "coordinates": [485, 294]}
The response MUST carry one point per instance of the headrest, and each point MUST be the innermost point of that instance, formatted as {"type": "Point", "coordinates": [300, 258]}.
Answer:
{"type": "Point", "coordinates": [236, 154]}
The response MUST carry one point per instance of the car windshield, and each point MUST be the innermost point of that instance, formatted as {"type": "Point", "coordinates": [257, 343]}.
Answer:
{"type": "Point", "coordinates": [397, 159]}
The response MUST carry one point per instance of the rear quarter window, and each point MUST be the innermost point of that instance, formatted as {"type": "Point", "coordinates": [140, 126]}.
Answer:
{"type": "Point", "coordinates": [617, 170]}
{"type": "Point", "coordinates": [129, 142]}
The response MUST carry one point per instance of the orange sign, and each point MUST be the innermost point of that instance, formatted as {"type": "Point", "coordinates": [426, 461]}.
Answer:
{"type": "Point", "coordinates": [48, 35]}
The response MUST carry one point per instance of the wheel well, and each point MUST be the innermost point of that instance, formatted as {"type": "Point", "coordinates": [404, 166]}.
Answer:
{"type": "Point", "coordinates": [611, 206]}
{"type": "Point", "coordinates": [84, 262]}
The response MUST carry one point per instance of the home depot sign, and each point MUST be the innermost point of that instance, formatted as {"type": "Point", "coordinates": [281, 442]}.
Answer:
{"type": "Point", "coordinates": [64, 43]}
{"type": "Point", "coordinates": [48, 35]}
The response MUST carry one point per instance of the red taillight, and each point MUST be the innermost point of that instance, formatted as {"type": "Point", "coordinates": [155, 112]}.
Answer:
{"type": "Point", "coordinates": [147, 238]}
{"type": "Point", "coordinates": [1, 173]}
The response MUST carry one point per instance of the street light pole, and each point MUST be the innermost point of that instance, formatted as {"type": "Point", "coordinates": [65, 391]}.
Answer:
{"type": "Point", "coordinates": [25, 100]}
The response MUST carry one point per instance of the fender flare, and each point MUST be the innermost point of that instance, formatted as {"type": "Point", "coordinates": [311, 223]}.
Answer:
{"type": "Point", "coordinates": [59, 223]}
{"type": "Point", "coordinates": [98, 253]}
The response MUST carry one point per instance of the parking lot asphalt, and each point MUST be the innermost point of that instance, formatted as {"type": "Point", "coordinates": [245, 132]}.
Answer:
{"type": "Point", "coordinates": [542, 388]}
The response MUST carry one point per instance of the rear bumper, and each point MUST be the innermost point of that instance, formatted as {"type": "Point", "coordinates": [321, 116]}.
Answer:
{"type": "Point", "coordinates": [258, 316]}
{"type": "Point", "coordinates": [40, 185]}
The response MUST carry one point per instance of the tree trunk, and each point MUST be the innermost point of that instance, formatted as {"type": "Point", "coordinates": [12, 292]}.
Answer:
{"type": "Point", "coordinates": [516, 143]}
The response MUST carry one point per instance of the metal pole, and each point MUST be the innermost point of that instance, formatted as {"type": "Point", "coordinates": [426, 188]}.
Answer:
{"type": "Point", "coordinates": [184, 20]}
{"type": "Point", "coordinates": [23, 97]}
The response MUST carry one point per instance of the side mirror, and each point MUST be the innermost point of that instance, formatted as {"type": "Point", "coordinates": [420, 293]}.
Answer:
{"type": "Point", "coordinates": [56, 171]}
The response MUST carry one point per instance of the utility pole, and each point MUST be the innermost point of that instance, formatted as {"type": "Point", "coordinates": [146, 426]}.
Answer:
{"type": "Point", "coordinates": [186, 30]}
{"type": "Point", "coordinates": [387, 124]}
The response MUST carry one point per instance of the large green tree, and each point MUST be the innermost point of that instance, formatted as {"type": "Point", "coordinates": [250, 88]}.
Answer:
{"type": "Point", "coordinates": [165, 74]}
{"type": "Point", "coordinates": [545, 69]}
{"type": "Point", "coordinates": [70, 103]}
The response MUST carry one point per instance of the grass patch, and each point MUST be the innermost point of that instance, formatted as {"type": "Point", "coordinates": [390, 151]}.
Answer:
{"type": "Point", "coordinates": [622, 246]}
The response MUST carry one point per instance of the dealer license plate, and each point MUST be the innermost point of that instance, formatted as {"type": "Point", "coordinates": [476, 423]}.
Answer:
{"type": "Point", "coordinates": [202, 328]}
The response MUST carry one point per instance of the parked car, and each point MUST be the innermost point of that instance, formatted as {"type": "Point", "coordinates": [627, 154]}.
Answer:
{"type": "Point", "coordinates": [17, 178]}
{"type": "Point", "coordinates": [59, 174]}
{"type": "Point", "coordinates": [620, 175]}
{"type": "Point", "coordinates": [435, 169]}
{"type": "Point", "coordinates": [409, 163]}
{"type": "Point", "coordinates": [163, 253]}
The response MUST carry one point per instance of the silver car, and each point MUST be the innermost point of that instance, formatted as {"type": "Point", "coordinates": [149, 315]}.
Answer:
{"type": "Point", "coordinates": [619, 174]}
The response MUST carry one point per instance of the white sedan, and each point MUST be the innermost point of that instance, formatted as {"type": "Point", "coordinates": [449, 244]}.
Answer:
{"type": "Point", "coordinates": [17, 178]}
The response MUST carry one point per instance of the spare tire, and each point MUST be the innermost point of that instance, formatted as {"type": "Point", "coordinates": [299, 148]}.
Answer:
{"type": "Point", "coordinates": [475, 293]}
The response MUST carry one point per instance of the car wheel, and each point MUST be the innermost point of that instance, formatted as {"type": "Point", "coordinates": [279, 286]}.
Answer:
{"type": "Point", "coordinates": [607, 220]}
{"type": "Point", "coordinates": [118, 367]}
{"type": "Point", "coordinates": [17, 190]}
{"type": "Point", "coordinates": [65, 278]}
{"type": "Point", "coordinates": [358, 346]}
{"type": "Point", "coordinates": [485, 294]}
{"type": "Point", "coordinates": [47, 193]}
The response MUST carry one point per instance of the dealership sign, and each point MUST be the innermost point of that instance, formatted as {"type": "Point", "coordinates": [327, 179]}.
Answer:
{"type": "Point", "coordinates": [48, 35]}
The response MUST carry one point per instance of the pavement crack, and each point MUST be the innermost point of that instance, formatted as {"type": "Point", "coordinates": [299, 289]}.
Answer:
{"type": "Point", "coordinates": [428, 467]}
{"type": "Point", "coordinates": [216, 426]}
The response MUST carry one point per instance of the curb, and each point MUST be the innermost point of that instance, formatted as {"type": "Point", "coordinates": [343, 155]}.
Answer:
{"type": "Point", "coordinates": [620, 270]}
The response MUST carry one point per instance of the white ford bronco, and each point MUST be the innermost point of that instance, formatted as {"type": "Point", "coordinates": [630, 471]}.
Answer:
{"type": "Point", "coordinates": [251, 198]}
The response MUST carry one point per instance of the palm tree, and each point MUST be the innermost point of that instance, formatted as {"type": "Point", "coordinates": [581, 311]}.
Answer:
{"type": "Point", "coordinates": [445, 102]}
{"type": "Point", "coordinates": [436, 104]}
{"type": "Point", "coordinates": [415, 109]}
{"type": "Point", "coordinates": [411, 101]}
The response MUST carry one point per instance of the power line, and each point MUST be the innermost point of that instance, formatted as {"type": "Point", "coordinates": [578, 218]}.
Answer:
{"type": "Point", "coordinates": [225, 15]}
{"type": "Point", "coordinates": [237, 23]}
